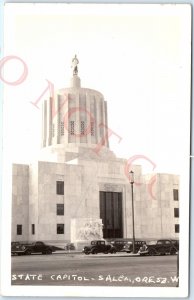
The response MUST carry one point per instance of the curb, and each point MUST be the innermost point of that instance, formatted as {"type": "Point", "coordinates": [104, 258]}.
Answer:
{"type": "Point", "coordinates": [97, 255]}
{"type": "Point", "coordinates": [112, 255]}
{"type": "Point", "coordinates": [66, 252]}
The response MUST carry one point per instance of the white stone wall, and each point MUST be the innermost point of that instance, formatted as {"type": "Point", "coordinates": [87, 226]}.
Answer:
{"type": "Point", "coordinates": [156, 207]}
{"type": "Point", "coordinates": [154, 217]}
{"type": "Point", "coordinates": [20, 201]}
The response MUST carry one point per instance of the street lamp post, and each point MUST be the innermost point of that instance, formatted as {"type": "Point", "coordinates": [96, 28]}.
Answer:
{"type": "Point", "coordinates": [133, 223]}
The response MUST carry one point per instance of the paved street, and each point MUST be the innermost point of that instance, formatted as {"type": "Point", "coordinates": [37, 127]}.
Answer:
{"type": "Point", "coordinates": [94, 270]}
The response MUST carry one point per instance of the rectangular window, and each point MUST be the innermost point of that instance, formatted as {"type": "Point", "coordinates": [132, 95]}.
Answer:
{"type": "Point", "coordinates": [19, 229]}
{"type": "Point", "coordinates": [60, 187]}
{"type": "Point", "coordinates": [176, 228]}
{"type": "Point", "coordinates": [72, 127]}
{"type": "Point", "coordinates": [175, 194]}
{"type": "Point", "coordinates": [62, 128]}
{"type": "Point", "coordinates": [82, 128]}
{"type": "Point", "coordinates": [176, 212]}
{"type": "Point", "coordinates": [60, 209]}
{"type": "Point", "coordinates": [92, 128]}
{"type": "Point", "coordinates": [60, 228]}
{"type": "Point", "coordinates": [33, 228]}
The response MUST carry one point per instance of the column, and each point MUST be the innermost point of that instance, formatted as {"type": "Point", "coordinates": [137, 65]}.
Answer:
{"type": "Point", "coordinates": [44, 123]}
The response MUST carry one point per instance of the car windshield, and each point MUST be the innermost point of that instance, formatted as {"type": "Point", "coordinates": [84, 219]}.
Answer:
{"type": "Point", "coordinates": [93, 243]}
{"type": "Point", "coordinates": [127, 245]}
{"type": "Point", "coordinates": [175, 242]}
{"type": "Point", "coordinates": [151, 242]}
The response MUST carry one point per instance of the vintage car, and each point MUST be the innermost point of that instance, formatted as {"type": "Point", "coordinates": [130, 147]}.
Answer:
{"type": "Point", "coordinates": [14, 245]}
{"type": "Point", "coordinates": [161, 247]}
{"type": "Point", "coordinates": [99, 246]}
{"type": "Point", "coordinates": [176, 244]}
{"type": "Point", "coordinates": [129, 246]}
{"type": "Point", "coordinates": [28, 248]}
{"type": "Point", "coordinates": [119, 244]}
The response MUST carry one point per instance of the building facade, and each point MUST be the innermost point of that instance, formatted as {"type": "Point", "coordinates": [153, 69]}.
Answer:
{"type": "Point", "coordinates": [78, 189]}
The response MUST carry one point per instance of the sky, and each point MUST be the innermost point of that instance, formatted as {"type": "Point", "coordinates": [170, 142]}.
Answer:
{"type": "Point", "coordinates": [137, 56]}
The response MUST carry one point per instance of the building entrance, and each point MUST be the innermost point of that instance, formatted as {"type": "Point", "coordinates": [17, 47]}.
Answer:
{"type": "Point", "coordinates": [111, 214]}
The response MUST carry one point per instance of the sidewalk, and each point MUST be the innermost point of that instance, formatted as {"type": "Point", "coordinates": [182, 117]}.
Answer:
{"type": "Point", "coordinates": [74, 252]}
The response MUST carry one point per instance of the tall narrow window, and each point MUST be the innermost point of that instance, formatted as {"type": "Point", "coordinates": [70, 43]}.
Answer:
{"type": "Point", "coordinates": [176, 194]}
{"type": "Point", "coordinates": [19, 229]}
{"type": "Point", "coordinates": [60, 228]}
{"type": "Point", "coordinates": [176, 212]}
{"type": "Point", "coordinates": [60, 209]}
{"type": "Point", "coordinates": [72, 127]}
{"type": "Point", "coordinates": [33, 228]}
{"type": "Point", "coordinates": [62, 128]}
{"type": "Point", "coordinates": [60, 187]}
{"type": "Point", "coordinates": [82, 128]}
{"type": "Point", "coordinates": [92, 129]}
{"type": "Point", "coordinates": [176, 228]}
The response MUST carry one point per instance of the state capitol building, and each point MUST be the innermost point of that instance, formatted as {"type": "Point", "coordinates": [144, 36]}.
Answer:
{"type": "Point", "coordinates": [78, 190]}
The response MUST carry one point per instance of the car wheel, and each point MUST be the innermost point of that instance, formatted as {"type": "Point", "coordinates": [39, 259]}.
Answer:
{"type": "Point", "coordinates": [28, 252]}
{"type": "Point", "coordinates": [152, 252]}
{"type": "Point", "coordinates": [94, 251]}
{"type": "Point", "coordinates": [48, 251]}
{"type": "Point", "coordinates": [87, 253]}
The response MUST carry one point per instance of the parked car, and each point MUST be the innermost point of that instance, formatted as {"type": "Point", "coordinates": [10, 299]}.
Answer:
{"type": "Point", "coordinates": [129, 246]}
{"type": "Point", "coordinates": [119, 244]}
{"type": "Point", "coordinates": [176, 244]}
{"type": "Point", "coordinates": [161, 247]}
{"type": "Point", "coordinates": [13, 246]}
{"type": "Point", "coordinates": [28, 248]}
{"type": "Point", "coordinates": [99, 246]}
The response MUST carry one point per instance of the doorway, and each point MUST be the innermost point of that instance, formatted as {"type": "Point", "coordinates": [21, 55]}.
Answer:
{"type": "Point", "coordinates": [111, 214]}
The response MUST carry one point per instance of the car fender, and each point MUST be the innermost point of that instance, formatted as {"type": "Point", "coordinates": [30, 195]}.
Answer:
{"type": "Point", "coordinates": [87, 249]}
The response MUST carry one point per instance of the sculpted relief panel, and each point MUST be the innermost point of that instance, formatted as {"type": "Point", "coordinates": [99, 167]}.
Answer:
{"type": "Point", "coordinates": [91, 230]}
